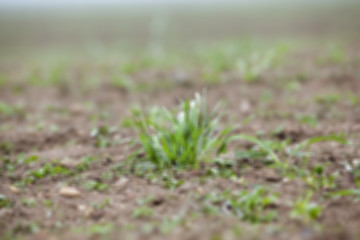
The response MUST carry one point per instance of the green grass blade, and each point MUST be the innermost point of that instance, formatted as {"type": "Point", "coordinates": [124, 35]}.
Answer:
{"type": "Point", "coordinates": [257, 142]}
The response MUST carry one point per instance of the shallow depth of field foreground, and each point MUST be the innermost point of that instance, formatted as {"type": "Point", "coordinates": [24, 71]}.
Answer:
{"type": "Point", "coordinates": [176, 122]}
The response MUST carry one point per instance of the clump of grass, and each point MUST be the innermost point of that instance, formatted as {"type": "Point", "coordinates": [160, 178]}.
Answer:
{"type": "Point", "coordinates": [182, 139]}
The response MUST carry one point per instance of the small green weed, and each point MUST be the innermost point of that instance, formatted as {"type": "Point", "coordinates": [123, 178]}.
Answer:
{"type": "Point", "coordinates": [96, 229]}
{"type": "Point", "coordinates": [311, 120]}
{"type": "Point", "coordinates": [7, 110]}
{"type": "Point", "coordinates": [169, 224]}
{"type": "Point", "coordinates": [184, 139]}
{"type": "Point", "coordinates": [222, 168]}
{"type": "Point", "coordinates": [102, 136]}
{"type": "Point", "coordinates": [171, 182]}
{"type": "Point", "coordinates": [28, 202]}
{"type": "Point", "coordinates": [6, 147]}
{"type": "Point", "coordinates": [328, 99]}
{"type": "Point", "coordinates": [123, 83]}
{"type": "Point", "coordinates": [53, 169]}
{"type": "Point", "coordinates": [3, 80]}
{"type": "Point", "coordinates": [96, 185]}
{"type": "Point", "coordinates": [263, 149]}
{"type": "Point", "coordinates": [4, 201]}
{"type": "Point", "coordinates": [6, 165]}
{"type": "Point", "coordinates": [252, 206]}
{"type": "Point", "coordinates": [47, 203]}
{"type": "Point", "coordinates": [354, 193]}
{"type": "Point", "coordinates": [101, 229]}
{"type": "Point", "coordinates": [253, 67]}
{"type": "Point", "coordinates": [105, 203]}
{"type": "Point", "coordinates": [306, 210]}
{"type": "Point", "coordinates": [354, 169]}
{"type": "Point", "coordinates": [334, 54]}
{"type": "Point", "coordinates": [142, 212]}
{"type": "Point", "coordinates": [318, 179]}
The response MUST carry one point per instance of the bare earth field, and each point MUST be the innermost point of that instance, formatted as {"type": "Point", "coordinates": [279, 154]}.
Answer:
{"type": "Point", "coordinates": [64, 121]}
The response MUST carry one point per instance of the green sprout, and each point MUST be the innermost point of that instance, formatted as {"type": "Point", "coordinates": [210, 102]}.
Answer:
{"type": "Point", "coordinates": [4, 201]}
{"type": "Point", "coordinates": [96, 185]}
{"type": "Point", "coordinates": [305, 209]}
{"type": "Point", "coordinates": [142, 212]}
{"type": "Point", "coordinates": [251, 206]}
{"type": "Point", "coordinates": [184, 139]}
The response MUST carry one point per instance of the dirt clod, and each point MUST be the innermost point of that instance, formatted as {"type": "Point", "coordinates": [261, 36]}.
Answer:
{"type": "Point", "coordinates": [69, 192]}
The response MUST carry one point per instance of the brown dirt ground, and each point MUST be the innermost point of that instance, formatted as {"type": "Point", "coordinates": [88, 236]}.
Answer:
{"type": "Point", "coordinates": [76, 112]}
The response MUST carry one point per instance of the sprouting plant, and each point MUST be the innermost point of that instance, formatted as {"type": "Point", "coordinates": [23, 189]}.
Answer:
{"type": "Point", "coordinates": [306, 210]}
{"type": "Point", "coordinates": [192, 136]}
{"type": "Point", "coordinates": [311, 120]}
{"type": "Point", "coordinates": [3, 80]}
{"type": "Point", "coordinates": [101, 229]}
{"type": "Point", "coordinates": [351, 192]}
{"type": "Point", "coordinates": [303, 147]}
{"type": "Point", "coordinates": [102, 136]}
{"type": "Point", "coordinates": [252, 206]}
{"type": "Point", "coordinates": [172, 183]}
{"type": "Point", "coordinates": [184, 139]}
{"type": "Point", "coordinates": [7, 110]}
{"type": "Point", "coordinates": [123, 82]}
{"type": "Point", "coordinates": [265, 149]}
{"type": "Point", "coordinates": [96, 185]}
{"type": "Point", "coordinates": [328, 99]}
{"type": "Point", "coordinates": [4, 201]}
{"type": "Point", "coordinates": [167, 225]}
{"type": "Point", "coordinates": [143, 211]}
{"type": "Point", "coordinates": [6, 147]}
{"type": "Point", "coordinates": [53, 169]}
{"type": "Point", "coordinates": [252, 67]}
{"type": "Point", "coordinates": [334, 54]}
{"type": "Point", "coordinates": [28, 202]}
{"type": "Point", "coordinates": [96, 229]}
{"type": "Point", "coordinates": [353, 168]}
{"type": "Point", "coordinates": [318, 179]}
{"type": "Point", "coordinates": [223, 168]}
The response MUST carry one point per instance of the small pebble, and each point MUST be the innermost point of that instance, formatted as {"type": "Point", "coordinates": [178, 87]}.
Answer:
{"type": "Point", "coordinates": [69, 192]}
{"type": "Point", "coordinates": [121, 183]}
{"type": "Point", "coordinates": [14, 189]}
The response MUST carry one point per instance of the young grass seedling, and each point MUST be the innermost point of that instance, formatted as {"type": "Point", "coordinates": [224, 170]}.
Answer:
{"type": "Point", "coordinates": [143, 211]}
{"type": "Point", "coordinates": [305, 209]}
{"type": "Point", "coordinates": [251, 206]}
{"type": "Point", "coordinates": [184, 139]}
{"type": "Point", "coordinates": [4, 201]}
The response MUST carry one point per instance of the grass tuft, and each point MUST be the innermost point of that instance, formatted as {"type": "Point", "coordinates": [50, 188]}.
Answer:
{"type": "Point", "coordinates": [182, 139]}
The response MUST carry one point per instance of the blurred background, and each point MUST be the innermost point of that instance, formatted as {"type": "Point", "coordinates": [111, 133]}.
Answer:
{"type": "Point", "coordinates": [46, 42]}
{"type": "Point", "coordinates": [32, 24]}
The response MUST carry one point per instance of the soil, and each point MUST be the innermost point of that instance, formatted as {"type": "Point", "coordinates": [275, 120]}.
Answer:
{"type": "Point", "coordinates": [55, 122]}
